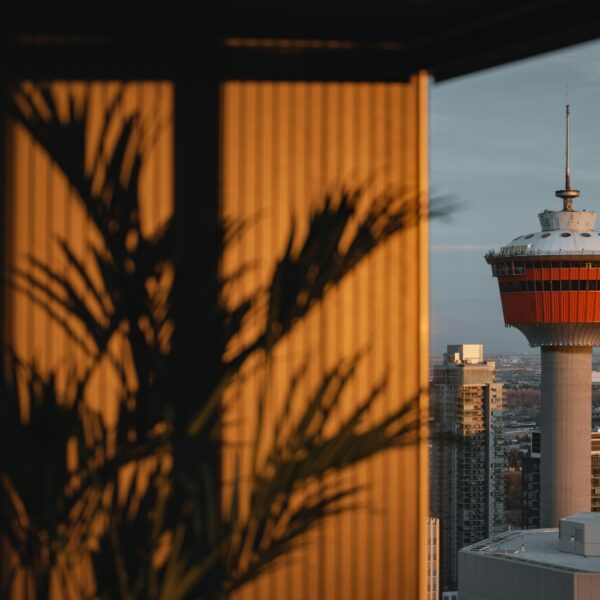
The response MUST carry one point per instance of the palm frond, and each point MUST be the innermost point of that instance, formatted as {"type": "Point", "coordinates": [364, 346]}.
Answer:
{"type": "Point", "coordinates": [301, 456]}
{"type": "Point", "coordinates": [161, 295]}
{"type": "Point", "coordinates": [36, 425]}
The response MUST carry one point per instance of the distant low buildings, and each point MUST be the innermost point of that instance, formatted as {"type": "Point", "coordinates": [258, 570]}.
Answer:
{"type": "Point", "coordinates": [530, 485]}
{"type": "Point", "coordinates": [467, 488]}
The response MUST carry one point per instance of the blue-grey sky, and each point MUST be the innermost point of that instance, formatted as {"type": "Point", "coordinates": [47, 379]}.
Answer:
{"type": "Point", "coordinates": [497, 146]}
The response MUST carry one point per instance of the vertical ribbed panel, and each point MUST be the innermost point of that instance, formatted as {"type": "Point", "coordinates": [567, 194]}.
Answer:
{"type": "Point", "coordinates": [42, 208]}
{"type": "Point", "coordinates": [284, 146]}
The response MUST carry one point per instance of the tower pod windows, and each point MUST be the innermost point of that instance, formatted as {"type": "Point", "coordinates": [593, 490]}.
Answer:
{"type": "Point", "coordinates": [520, 267]}
{"type": "Point", "coordinates": [555, 285]}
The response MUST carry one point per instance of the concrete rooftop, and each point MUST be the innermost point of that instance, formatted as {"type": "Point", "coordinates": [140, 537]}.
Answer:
{"type": "Point", "coordinates": [540, 547]}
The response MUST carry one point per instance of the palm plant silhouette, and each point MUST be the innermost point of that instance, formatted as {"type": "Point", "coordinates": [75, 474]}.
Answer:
{"type": "Point", "coordinates": [169, 537]}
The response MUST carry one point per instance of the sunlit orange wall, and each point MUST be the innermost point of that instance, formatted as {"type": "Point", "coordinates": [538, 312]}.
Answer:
{"type": "Point", "coordinates": [42, 208]}
{"type": "Point", "coordinates": [284, 146]}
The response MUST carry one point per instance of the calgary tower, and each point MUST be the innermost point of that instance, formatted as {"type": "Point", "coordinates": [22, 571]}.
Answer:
{"type": "Point", "coordinates": [550, 290]}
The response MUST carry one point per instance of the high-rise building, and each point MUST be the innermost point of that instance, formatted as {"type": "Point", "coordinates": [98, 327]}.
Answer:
{"type": "Point", "coordinates": [550, 290]}
{"type": "Point", "coordinates": [595, 499]}
{"type": "Point", "coordinates": [467, 490]}
{"type": "Point", "coordinates": [530, 485]}
{"type": "Point", "coordinates": [530, 499]}
{"type": "Point", "coordinates": [433, 559]}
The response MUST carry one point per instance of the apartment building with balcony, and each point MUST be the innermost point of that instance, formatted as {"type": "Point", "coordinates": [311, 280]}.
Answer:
{"type": "Point", "coordinates": [467, 491]}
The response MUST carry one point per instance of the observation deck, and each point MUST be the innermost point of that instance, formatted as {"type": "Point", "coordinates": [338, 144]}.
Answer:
{"type": "Point", "coordinates": [550, 280]}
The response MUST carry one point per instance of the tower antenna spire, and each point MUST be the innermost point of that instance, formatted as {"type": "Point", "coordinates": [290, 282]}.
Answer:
{"type": "Point", "coordinates": [567, 165]}
{"type": "Point", "coordinates": [567, 194]}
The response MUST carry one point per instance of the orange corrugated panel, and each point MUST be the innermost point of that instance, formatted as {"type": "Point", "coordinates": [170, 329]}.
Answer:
{"type": "Point", "coordinates": [578, 307]}
{"type": "Point", "coordinates": [285, 145]}
{"type": "Point", "coordinates": [506, 308]}
{"type": "Point", "coordinates": [560, 299]}
{"type": "Point", "coordinates": [582, 312]}
{"type": "Point", "coordinates": [571, 312]}
{"type": "Point", "coordinates": [518, 308]}
{"type": "Point", "coordinates": [530, 308]}
{"type": "Point", "coordinates": [586, 306]}
{"type": "Point", "coordinates": [511, 308]}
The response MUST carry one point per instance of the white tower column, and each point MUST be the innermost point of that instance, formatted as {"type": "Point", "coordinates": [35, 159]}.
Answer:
{"type": "Point", "coordinates": [565, 425]}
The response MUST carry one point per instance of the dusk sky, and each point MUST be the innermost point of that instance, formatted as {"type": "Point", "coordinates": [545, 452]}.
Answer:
{"type": "Point", "coordinates": [497, 146]}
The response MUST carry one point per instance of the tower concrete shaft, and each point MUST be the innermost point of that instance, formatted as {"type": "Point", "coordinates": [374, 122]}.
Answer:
{"type": "Point", "coordinates": [565, 424]}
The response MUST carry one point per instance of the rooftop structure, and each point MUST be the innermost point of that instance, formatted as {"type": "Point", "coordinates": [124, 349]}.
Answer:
{"type": "Point", "coordinates": [533, 564]}
{"type": "Point", "coordinates": [580, 534]}
{"type": "Point", "coordinates": [550, 290]}
{"type": "Point", "coordinates": [466, 354]}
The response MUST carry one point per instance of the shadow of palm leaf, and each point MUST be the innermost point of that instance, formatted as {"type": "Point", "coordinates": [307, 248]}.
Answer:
{"type": "Point", "coordinates": [43, 509]}
{"type": "Point", "coordinates": [163, 533]}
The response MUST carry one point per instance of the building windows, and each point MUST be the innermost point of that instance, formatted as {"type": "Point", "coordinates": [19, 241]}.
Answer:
{"type": "Point", "coordinates": [508, 268]}
{"type": "Point", "coordinates": [548, 285]}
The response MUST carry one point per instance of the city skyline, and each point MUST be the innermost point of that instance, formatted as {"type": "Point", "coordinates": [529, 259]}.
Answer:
{"type": "Point", "coordinates": [497, 147]}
